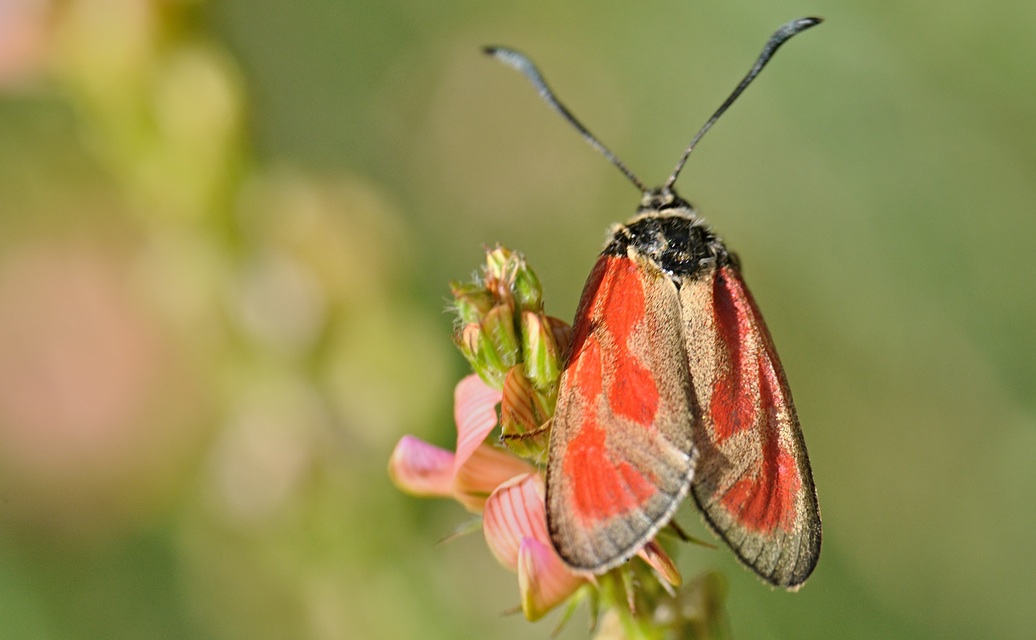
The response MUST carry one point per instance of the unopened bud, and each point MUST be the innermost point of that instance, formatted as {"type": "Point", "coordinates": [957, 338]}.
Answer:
{"type": "Point", "coordinates": [540, 353]}
{"type": "Point", "coordinates": [473, 301]}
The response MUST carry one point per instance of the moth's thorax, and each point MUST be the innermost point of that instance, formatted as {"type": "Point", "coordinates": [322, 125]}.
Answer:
{"type": "Point", "coordinates": [669, 233]}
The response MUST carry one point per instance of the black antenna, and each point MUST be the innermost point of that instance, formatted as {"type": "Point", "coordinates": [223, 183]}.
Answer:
{"type": "Point", "coordinates": [518, 61]}
{"type": "Point", "coordinates": [778, 38]}
{"type": "Point", "coordinates": [521, 63]}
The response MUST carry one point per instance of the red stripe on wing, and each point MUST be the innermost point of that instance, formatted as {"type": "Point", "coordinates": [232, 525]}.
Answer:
{"type": "Point", "coordinates": [732, 410]}
{"type": "Point", "coordinates": [767, 500]}
{"type": "Point", "coordinates": [748, 395]}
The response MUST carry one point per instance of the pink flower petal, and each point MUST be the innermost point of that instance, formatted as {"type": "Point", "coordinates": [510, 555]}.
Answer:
{"type": "Point", "coordinates": [543, 579]}
{"type": "Point", "coordinates": [474, 411]}
{"type": "Point", "coordinates": [486, 469]}
{"type": "Point", "coordinates": [513, 512]}
{"type": "Point", "coordinates": [422, 469]}
{"type": "Point", "coordinates": [655, 555]}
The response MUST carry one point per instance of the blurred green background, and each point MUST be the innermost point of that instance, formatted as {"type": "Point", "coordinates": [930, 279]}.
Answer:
{"type": "Point", "coordinates": [227, 228]}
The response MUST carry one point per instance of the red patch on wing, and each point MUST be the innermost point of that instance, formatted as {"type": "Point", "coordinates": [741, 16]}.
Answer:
{"type": "Point", "coordinates": [631, 390]}
{"type": "Point", "coordinates": [624, 301]}
{"type": "Point", "coordinates": [767, 501]}
{"type": "Point", "coordinates": [605, 489]}
{"type": "Point", "coordinates": [766, 498]}
{"type": "Point", "coordinates": [732, 410]}
{"type": "Point", "coordinates": [588, 375]}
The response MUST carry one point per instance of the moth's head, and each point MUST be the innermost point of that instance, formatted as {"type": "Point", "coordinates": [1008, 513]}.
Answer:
{"type": "Point", "coordinates": [662, 200]}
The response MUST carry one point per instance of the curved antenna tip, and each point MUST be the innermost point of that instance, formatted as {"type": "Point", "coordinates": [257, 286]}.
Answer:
{"type": "Point", "coordinates": [779, 37]}
{"type": "Point", "coordinates": [808, 22]}
{"type": "Point", "coordinates": [523, 65]}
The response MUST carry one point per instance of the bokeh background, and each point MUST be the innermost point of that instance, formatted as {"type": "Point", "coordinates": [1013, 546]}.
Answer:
{"type": "Point", "coordinates": [227, 228]}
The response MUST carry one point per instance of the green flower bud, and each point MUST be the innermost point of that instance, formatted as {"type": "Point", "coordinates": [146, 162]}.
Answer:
{"type": "Point", "coordinates": [472, 301]}
{"type": "Point", "coordinates": [528, 293]}
{"type": "Point", "coordinates": [539, 351]}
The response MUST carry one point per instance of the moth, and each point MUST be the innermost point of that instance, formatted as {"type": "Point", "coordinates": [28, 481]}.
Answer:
{"type": "Point", "coordinates": [672, 387]}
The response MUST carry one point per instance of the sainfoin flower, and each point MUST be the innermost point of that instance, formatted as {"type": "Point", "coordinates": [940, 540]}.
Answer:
{"type": "Point", "coordinates": [507, 490]}
{"type": "Point", "coordinates": [476, 469]}
{"type": "Point", "coordinates": [516, 351]}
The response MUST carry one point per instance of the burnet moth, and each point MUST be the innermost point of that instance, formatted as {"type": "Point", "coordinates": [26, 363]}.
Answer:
{"type": "Point", "coordinates": [672, 386]}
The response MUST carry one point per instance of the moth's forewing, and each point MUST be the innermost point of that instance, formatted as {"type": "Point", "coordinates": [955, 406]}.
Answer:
{"type": "Point", "coordinates": [621, 449]}
{"type": "Point", "coordinates": [754, 483]}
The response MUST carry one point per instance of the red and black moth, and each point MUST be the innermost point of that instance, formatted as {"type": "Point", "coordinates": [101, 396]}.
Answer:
{"type": "Point", "coordinates": [672, 386]}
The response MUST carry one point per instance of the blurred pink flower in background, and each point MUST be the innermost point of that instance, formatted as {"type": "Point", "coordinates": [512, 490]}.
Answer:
{"type": "Point", "coordinates": [93, 406]}
{"type": "Point", "coordinates": [24, 38]}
